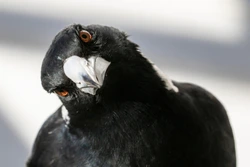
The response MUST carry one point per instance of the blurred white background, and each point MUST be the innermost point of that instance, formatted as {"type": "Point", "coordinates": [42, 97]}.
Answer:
{"type": "Point", "coordinates": [206, 42]}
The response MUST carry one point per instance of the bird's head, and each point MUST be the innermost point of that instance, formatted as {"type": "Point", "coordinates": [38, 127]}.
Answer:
{"type": "Point", "coordinates": [86, 64]}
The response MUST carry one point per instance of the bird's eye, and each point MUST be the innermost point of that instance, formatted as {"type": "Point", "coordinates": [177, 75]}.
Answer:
{"type": "Point", "coordinates": [85, 36]}
{"type": "Point", "coordinates": [62, 92]}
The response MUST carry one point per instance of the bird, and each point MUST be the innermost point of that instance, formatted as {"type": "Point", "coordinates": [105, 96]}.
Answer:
{"type": "Point", "coordinates": [120, 110]}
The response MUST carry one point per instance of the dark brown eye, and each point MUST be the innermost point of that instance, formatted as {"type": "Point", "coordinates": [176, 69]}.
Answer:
{"type": "Point", "coordinates": [85, 36]}
{"type": "Point", "coordinates": [62, 92]}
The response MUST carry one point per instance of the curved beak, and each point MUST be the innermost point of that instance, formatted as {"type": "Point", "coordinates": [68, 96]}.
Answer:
{"type": "Point", "coordinates": [88, 74]}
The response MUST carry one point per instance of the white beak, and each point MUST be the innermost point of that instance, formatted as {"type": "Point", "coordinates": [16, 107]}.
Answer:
{"type": "Point", "coordinates": [88, 74]}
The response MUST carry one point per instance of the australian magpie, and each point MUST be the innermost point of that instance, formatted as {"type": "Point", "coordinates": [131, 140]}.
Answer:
{"type": "Point", "coordinates": [119, 110]}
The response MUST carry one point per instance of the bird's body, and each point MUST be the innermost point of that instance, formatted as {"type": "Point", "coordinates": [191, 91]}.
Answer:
{"type": "Point", "coordinates": [135, 119]}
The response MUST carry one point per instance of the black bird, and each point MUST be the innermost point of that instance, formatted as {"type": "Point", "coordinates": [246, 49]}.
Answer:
{"type": "Point", "coordinates": [119, 111]}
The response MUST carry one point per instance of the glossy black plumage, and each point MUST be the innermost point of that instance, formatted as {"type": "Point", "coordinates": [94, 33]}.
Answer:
{"type": "Point", "coordinates": [133, 120]}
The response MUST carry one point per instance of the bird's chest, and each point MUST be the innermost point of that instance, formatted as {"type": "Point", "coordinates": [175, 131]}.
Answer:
{"type": "Point", "coordinates": [67, 149]}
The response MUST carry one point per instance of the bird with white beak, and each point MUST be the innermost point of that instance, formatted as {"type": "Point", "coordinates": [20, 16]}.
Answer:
{"type": "Point", "coordinates": [119, 110]}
